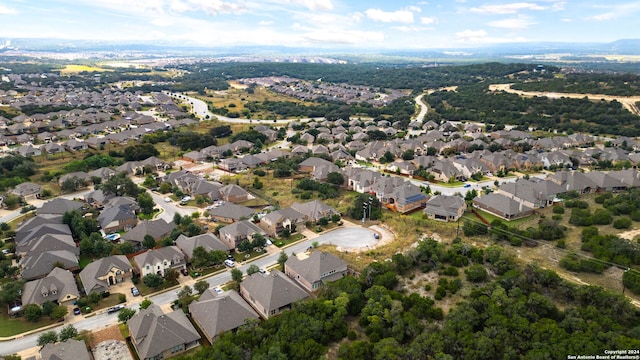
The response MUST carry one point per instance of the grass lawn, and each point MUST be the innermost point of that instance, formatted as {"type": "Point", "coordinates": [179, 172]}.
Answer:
{"type": "Point", "coordinates": [15, 222]}
{"type": "Point", "coordinates": [490, 218]}
{"type": "Point", "coordinates": [13, 326]}
{"type": "Point", "coordinates": [293, 238]}
{"type": "Point", "coordinates": [145, 290]}
{"type": "Point", "coordinates": [84, 261]}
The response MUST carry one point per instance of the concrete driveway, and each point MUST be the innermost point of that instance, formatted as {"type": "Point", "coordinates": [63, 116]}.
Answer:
{"type": "Point", "coordinates": [350, 238]}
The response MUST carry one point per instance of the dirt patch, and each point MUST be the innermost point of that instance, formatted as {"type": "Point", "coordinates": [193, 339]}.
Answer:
{"type": "Point", "coordinates": [112, 350]}
{"type": "Point", "coordinates": [629, 235]}
{"type": "Point", "coordinates": [110, 333]}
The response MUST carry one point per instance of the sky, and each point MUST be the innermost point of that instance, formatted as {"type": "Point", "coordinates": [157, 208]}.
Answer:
{"type": "Point", "coordinates": [384, 24]}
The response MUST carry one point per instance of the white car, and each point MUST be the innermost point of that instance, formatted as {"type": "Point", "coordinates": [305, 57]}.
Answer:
{"type": "Point", "coordinates": [230, 263]}
{"type": "Point", "coordinates": [217, 290]}
{"type": "Point", "coordinates": [167, 199]}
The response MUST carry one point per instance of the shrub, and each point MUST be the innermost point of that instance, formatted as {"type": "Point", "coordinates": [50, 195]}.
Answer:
{"type": "Point", "coordinates": [476, 273]}
{"type": "Point", "coordinates": [622, 223]}
{"type": "Point", "coordinates": [558, 210]}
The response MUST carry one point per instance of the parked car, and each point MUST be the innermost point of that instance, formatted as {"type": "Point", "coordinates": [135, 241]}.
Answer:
{"type": "Point", "coordinates": [230, 263]}
{"type": "Point", "coordinates": [376, 236]}
{"type": "Point", "coordinates": [76, 311]}
{"type": "Point", "coordinates": [217, 290]}
{"type": "Point", "coordinates": [167, 199]}
{"type": "Point", "coordinates": [116, 308]}
{"type": "Point", "coordinates": [467, 185]}
{"type": "Point", "coordinates": [184, 272]}
{"type": "Point", "coordinates": [262, 271]}
{"type": "Point", "coordinates": [134, 291]}
{"type": "Point", "coordinates": [186, 198]}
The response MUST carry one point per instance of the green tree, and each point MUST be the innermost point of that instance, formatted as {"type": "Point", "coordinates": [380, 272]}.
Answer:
{"type": "Point", "coordinates": [335, 178]}
{"type": "Point", "coordinates": [120, 185]}
{"type": "Point", "coordinates": [68, 332]}
{"type": "Point", "coordinates": [11, 291]}
{"type": "Point", "coordinates": [476, 273]}
{"type": "Point", "coordinates": [252, 269]}
{"type": "Point", "coordinates": [146, 203]}
{"type": "Point", "coordinates": [201, 286]}
{"type": "Point", "coordinates": [125, 314]}
{"type": "Point", "coordinates": [282, 258]}
{"type": "Point", "coordinates": [153, 280]}
{"type": "Point", "coordinates": [145, 303]}
{"type": "Point", "coordinates": [236, 275]}
{"type": "Point", "coordinates": [33, 312]}
{"type": "Point", "coordinates": [149, 242]}
{"type": "Point", "coordinates": [48, 337]}
{"type": "Point", "coordinates": [59, 312]}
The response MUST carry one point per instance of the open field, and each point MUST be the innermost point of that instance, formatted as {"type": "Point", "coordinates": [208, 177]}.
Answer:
{"type": "Point", "coordinates": [236, 97]}
{"type": "Point", "coordinates": [76, 68]}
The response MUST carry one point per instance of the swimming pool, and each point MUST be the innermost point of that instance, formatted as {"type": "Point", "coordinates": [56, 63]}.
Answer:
{"type": "Point", "coordinates": [112, 237]}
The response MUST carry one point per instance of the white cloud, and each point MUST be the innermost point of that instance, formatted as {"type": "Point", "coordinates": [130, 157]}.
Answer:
{"type": "Point", "coordinates": [616, 11]}
{"type": "Point", "coordinates": [427, 20]}
{"type": "Point", "coordinates": [471, 35]}
{"type": "Point", "coordinates": [566, 20]}
{"type": "Point", "coordinates": [343, 37]}
{"type": "Point", "coordinates": [559, 6]}
{"type": "Point", "coordinates": [265, 23]}
{"type": "Point", "coordinates": [357, 17]}
{"type": "Point", "coordinates": [317, 5]}
{"type": "Point", "coordinates": [7, 11]}
{"type": "Point", "coordinates": [401, 16]}
{"type": "Point", "coordinates": [511, 8]}
{"type": "Point", "coordinates": [519, 23]}
{"type": "Point", "coordinates": [408, 28]}
{"type": "Point", "coordinates": [215, 7]}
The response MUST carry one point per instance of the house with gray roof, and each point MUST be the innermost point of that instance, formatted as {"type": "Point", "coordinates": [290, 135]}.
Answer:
{"type": "Point", "coordinates": [629, 177]}
{"type": "Point", "coordinates": [315, 270]}
{"type": "Point", "coordinates": [208, 241]}
{"type": "Point", "coordinates": [68, 350]}
{"type": "Point", "coordinates": [230, 212]}
{"type": "Point", "coordinates": [37, 265]}
{"type": "Point", "coordinates": [314, 210]}
{"type": "Point", "coordinates": [215, 314]}
{"type": "Point", "coordinates": [156, 228]}
{"type": "Point", "coordinates": [276, 221]}
{"type": "Point", "coordinates": [502, 206]}
{"type": "Point", "coordinates": [100, 274]}
{"type": "Point", "coordinates": [574, 180]}
{"type": "Point", "coordinates": [156, 335]}
{"type": "Point", "coordinates": [117, 218]}
{"type": "Point", "coordinates": [234, 193]}
{"type": "Point", "coordinates": [28, 151]}
{"type": "Point", "coordinates": [59, 206]}
{"type": "Point", "coordinates": [445, 208]}
{"type": "Point", "coordinates": [272, 293]}
{"type": "Point", "coordinates": [159, 261]}
{"type": "Point", "coordinates": [310, 164]}
{"type": "Point", "coordinates": [232, 235]}
{"type": "Point", "coordinates": [27, 191]}
{"type": "Point", "coordinates": [405, 198]}
{"type": "Point", "coordinates": [103, 173]}
{"type": "Point", "coordinates": [531, 193]}
{"type": "Point", "coordinates": [46, 241]}
{"type": "Point", "coordinates": [59, 286]}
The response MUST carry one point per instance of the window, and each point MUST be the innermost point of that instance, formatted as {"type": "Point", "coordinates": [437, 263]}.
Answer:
{"type": "Point", "coordinates": [272, 312]}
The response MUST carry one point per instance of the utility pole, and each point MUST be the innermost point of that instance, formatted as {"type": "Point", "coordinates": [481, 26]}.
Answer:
{"type": "Point", "coordinates": [364, 212]}
{"type": "Point", "coordinates": [370, 202]}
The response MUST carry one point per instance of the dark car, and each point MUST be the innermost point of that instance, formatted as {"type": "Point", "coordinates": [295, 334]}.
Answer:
{"type": "Point", "coordinates": [116, 308]}
{"type": "Point", "coordinates": [134, 291]}
{"type": "Point", "coordinates": [184, 272]}
{"type": "Point", "coordinates": [76, 311]}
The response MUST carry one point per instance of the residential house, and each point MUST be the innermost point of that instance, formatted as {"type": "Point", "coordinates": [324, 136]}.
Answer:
{"type": "Point", "coordinates": [156, 228]}
{"type": "Point", "coordinates": [27, 191]}
{"type": "Point", "coordinates": [276, 221]}
{"type": "Point", "coordinates": [445, 208]}
{"type": "Point", "coordinates": [78, 176]}
{"type": "Point", "coordinates": [405, 198]}
{"type": "Point", "coordinates": [314, 210]}
{"type": "Point", "coordinates": [233, 165]}
{"type": "Point", "coordinates": [156, 335]}
{"type": "Point", "coordinates": [28, 151]}
{"type": "Point", "coordinates": [159, 261]}
{"type": "Point", "coordinates": [59, 286]}
{"type": "Point", "coordinates": [532, 193]}
{"type": "Point", "coordinates": [117, 218]}
{"type": "Point", "coordinates": [74, 145]}
{"type": "Point", "coordinates": [272, 293]}
{"type": "Point", "coordinates": [37, 265]}
{"type": "Point", "coordinates": [361, 180]}
{"type": "Point", "coordinates": [232, 235]}
{"type": "Point", "coordinates": [230, 212]}
{"type": "Point", "coordinates": [574, 180]}
{"type": "Point", "coordinates": [216, 314]}
{"type": "Point", "coordinates": [71, 349]}
{"type": "Point", "coordinates": [104, 173]}
{"type": "Point", "coordinates": [310, 164]}
{"type": "Point", "coordinates": [234, 193]}
{"type": "Point", "coordinates": [502, 206]}
{"type": "Point", "coordinates": [59, 206]}
{"type": "Point", "coordinates": [101, 274]}
{"type": "Point", "coordinates": [315, 270]}
{"type": "Point", "coordinates": [208, 241]}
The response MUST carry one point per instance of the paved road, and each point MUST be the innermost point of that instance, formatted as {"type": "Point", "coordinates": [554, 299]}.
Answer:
{"type": "Point", "coordinates": [342, 237]}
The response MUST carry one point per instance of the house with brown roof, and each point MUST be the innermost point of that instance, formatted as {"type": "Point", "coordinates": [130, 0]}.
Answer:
{"type": "Point", "coordinates": [315, 270]}
{"type": "Point", "coordinates": [272, 293]}
{"type": "Point", "coordinates": [232, 235]}
{"type": "Point", "coordinates": [208, 241]}
{"type": "Point", "coordinates": [215, 314]}
{"type": "Point", "coordinates": [276, 221]}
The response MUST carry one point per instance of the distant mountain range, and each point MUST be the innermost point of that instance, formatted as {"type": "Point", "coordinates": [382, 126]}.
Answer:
{"type": "Point", "coordinates": [25, 46]}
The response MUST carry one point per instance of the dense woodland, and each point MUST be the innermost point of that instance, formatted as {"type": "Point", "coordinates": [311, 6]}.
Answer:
{"type": "Point", "coordinates": [213, 76]}
{"type": "Point", "coordinates": [509, 313]}
{"type": "Point", "coordinates": [477, 103]}
{"type": "Point", "coordinates": [606, 84]}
